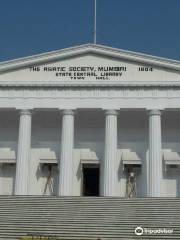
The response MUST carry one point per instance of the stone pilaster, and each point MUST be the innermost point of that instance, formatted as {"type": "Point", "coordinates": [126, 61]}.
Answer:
{"type": "Point", "coordinates": [66, 157]}
{"type": "Point", "coordinates": [23, 154]}
{"type": "Point", "coordinates": [155, 153]}
{"type": "Point", "coordinates": [109, 168]}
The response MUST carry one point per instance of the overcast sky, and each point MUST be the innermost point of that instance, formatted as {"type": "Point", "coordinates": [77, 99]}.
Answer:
{"type": "Point", "coordinates": [30, 27]}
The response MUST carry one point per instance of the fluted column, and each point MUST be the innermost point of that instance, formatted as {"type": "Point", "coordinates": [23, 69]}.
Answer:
{"type": "Point", "coordinates": [23, 154]}
{"type": "Point", "coordinates": [66, 158]}
{"type": "Point", "coordinates": [155, 153]}
{"type": "Point", "coordinates": [109, 168]}
{"type": "Point", "coordinates": [1, 178]}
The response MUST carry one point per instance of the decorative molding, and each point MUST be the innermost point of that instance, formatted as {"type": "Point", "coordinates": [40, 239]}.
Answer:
{"type": "Point", "coordinates": [90, 93]}
{"type": "Point", "coordinates": [87, 84]}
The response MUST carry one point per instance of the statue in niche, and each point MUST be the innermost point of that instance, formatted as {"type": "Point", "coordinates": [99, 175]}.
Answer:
{"type": "Point", "coordinates": [49, 182]}
{"type": "Point", "coordinates": [131, 189]}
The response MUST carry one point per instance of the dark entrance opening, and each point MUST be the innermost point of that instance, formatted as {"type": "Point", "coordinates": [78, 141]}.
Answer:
{"type": "Point", "coordinates": [90, 180]}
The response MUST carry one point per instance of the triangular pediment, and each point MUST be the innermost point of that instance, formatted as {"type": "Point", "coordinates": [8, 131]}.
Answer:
{"type": "Point", "coordinates": [90, 63]}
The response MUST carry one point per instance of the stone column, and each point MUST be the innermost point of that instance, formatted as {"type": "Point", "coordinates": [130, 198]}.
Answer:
{"type": "Point", "coordinates": [66, 157]}
{"type": "Point", "coordinates": [1, 179]}
{"type": "Point", "coordinates": [109, 165]}
{"type": "Point", "coordinates": [23, 154]}
{"type": "Point", "coordinates": [155, 153]}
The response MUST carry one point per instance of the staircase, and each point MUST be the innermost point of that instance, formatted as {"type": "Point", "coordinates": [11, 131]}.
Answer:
{"type": "Point", "coordinates": [87, 217]}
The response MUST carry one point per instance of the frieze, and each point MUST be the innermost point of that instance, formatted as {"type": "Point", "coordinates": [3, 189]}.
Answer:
{"type": "Point", "coordinates": [69, 93]}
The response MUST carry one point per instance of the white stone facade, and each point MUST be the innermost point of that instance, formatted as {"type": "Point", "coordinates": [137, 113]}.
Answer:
{"type": "Point", "coordinates": [130, 117]}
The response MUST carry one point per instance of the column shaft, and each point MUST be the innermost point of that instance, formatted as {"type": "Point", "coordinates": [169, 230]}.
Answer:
{"type": "Point", "coordinates": [23, 154]}
{"type": "Point", "coordinates": [66, 158]}
{"type": "Point", "coordinates": [155, 153]}
{"type": "Point", "coordinates": [109, 168]}
{"type": "Point", "coordinates": [1, 179]}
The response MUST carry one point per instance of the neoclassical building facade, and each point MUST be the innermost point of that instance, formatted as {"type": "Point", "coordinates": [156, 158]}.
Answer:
{"type": "Point", "coordinates": [90, 121]}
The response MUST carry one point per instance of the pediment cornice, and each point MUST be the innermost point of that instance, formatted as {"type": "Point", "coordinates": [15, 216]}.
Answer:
{"type": "Point", "coordinates": [89, 49]}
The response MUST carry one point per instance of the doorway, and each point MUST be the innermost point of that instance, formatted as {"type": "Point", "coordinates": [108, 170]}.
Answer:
{"type": "Point", "coordinates": [90, 180]}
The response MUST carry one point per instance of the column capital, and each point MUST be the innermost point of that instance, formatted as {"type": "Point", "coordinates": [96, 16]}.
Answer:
{"type": "Point", "coordinates": [154, 111]}
{"type": "Point", "coordinates": [111, 112]}
{"type": "Point", "coordinates": [25, 111]}
{"type": "Point", "coordinates": [68, 111]}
